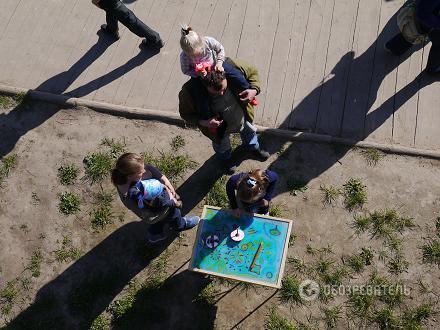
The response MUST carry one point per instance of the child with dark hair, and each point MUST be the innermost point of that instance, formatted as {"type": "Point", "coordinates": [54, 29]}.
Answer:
{"type": "Point", "coordinates": [133, 179]}
{"type": "Point", "coordinates": [252, 191]}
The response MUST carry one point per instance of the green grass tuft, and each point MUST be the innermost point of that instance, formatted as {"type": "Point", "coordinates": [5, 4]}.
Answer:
{"type": "Point", "coordinates": [7, 296]}
{"type": "Point", "coordinates": [332, 316]}
{"type": "Point", "coordinates": [274, 321]}
{"type": "Point", "coordinates": [8, 163]}
{"type": "Point", "coordinates": [431, 252]}
{"type": "Point", "coordinates": [357, 262]}
{"type": "Point", "coordinates": [217, 194]}
{"type": "Point", "coordinates": [68, 174]}
{"type": "Point", "coordinates": [69, 203]}
{"type": "Point", "coordinates": [372, 156]}
{"type": "Point", "coordinates": [116, 148]}
{"type": "Point", "coordinates": [98, 165]}
{"type": "Point", "coordinates": [354, 194]}
{"type": "Point", "coordinates": [289, 291]}
{"type": "Point", "coordinates": [398, 264]}
{"type": "Point", "coordinates": [6, 101]}
{"type": "Point", "coordinates": [121, 306]}
{"type": "Point", "coordinates": [171, 165]}
{"type": "Point", "coordinates": [361, 304]}
{"type": "Point", "coordinates": [207, 295]}
{"type": "Point", "coordinates": [177, 143]}
{"type": "Point", "coordinates": [102, 215]}
{"type": "Point", "coordinates": [67, 252]}
{"type": "Point", "coordinates": [414, 318]}
{"type": "Point", "coordinates": [385, 318]}
{"type": "Point", "coordinates": [296, 185]}
{"type": "Point", "coordinates": [35, 263]}
{"type": "Point", "coordinates": [100, 323]}
{"type": "Point", "coordinates": [276, 210]}
{"type": "Point", "coordinates": [329, 194]}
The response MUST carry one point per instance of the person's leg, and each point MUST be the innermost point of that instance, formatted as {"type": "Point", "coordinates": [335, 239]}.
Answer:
{"type": "Point", "coordinates": [200, 97]}
{"type": "Point", "coordinates": [398, 45]}
{"type": "Point", "coordinates": [249, 139]}
{"type": "Point", "coordinates": [235, 76]}
{"type": "Point", "coordinates": [112, 23]}
{"type": "Point", "coordinates": [223, 149]}
{"type": "Point", "coordinates": [179, 223]}
{"type": "Point", "coordinates": [433, 65]}
{"type": "Point", "coordinates": [135, 25]}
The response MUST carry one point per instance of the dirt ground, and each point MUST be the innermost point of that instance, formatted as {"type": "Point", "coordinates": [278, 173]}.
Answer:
{"type": "Point", "coordinates": [71, 294]}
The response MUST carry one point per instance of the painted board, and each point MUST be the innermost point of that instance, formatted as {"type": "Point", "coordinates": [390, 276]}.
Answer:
{"type": "Point", "coordinates": [215, 253]}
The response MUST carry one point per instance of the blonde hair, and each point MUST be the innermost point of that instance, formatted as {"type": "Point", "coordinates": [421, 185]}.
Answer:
{"type": "Point", "coordinates": [190, 41]}
{"type": "Point", "coordinates": [252, 185]}
{"type": "Point", "coordinates": [126, 165]}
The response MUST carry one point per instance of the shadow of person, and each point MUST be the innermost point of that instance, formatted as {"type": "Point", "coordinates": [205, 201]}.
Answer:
{"type": "Point", "coordinates": [342, 106]}
{"type": "Point", "coordinates": [22, 119]}
{"type": "Point", "coordinates": [85, 289]}
{"type": "Point", "coordinates": [172, 306]}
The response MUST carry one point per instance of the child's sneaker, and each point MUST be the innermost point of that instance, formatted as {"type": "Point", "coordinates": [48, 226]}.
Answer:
{"type": "Point", "coordinates": [191, 222]}
{"type": "Point", "coordinates": [156, 238]}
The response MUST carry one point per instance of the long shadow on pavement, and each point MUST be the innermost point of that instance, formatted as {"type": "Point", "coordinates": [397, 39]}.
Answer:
{"type": "Point", "coordinates": [21, 119]}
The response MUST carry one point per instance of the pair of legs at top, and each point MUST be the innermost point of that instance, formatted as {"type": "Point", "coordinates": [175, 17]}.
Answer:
{"type": "Point", "coordinates": [116, 12]}
{"type": "Point", "coordinates": [398, 45]}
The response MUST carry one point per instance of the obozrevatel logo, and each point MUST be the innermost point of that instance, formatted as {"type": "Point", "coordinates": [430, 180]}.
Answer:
{"type": "Point", "coordinates": [308, 290]}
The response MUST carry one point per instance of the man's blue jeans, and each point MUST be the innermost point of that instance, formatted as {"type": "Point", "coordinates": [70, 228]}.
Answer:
{"type": "Point", "coordinates": [248, 138]}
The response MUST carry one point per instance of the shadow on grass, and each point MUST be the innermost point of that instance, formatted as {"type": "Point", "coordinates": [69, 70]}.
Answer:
{"type": "Point", "coordinates": [171, 306]}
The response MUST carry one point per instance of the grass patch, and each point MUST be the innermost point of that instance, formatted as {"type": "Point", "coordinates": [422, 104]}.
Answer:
{"type": "Point", "coordinates": [289, 292]}
{"type": "Point", "coordinates": [98, 165]}
{"type": "Point", "coordinates": [297, 264]}
{"type": "Point", "coordinates": [332, 316]}
{"type": "Point", "coordinates": [385, 318]}
{"type": "Point", "coordinates": [235, 140]}
{"type": "Point", "coordinates": [171, 165]}
{"type": "Point", "coordinates": [372, 156]}
{"type": "Point", "coordinates": [100, 323]}
{"type": "Point", "coordinates": [292, 240]}
{"type": "Point", "coordinates": [361, 304]}
{"type": "Point", "coordinates": [35, 263]}
{"type": "Point", "coordinates": [398, 264]}
{"type": "Point", "coordinates": [357, 262]}
{"type": "Point", "coordinates": [8, 163]}
{"type": "Point", "coordinates": [319, 251]}
{"type": "Point", "coordinates": [103, 214]}
{"type": "Point", "coordinates": [67, 252]}
{"type": "Point", "coordinates": [6, 101]}
{"type": "Point", "coordinates": [431, 252]}
{"type": "Point", "coordinates": [217, 195]}
{"type": "Point", "coordinates": [296, 185]}
{"type": "Point", "coordinates": [274, 321]}
{"type": "Point", "coordinates": [116, 148]}
{"type": "Point", "coordinates": [276, 210]}
{"type": "Point", "coordinates": [207, 295]}
{"type": "Point", "coordinates": [384, 224]}
{"type": "Point", "coordinates": [20, 97]}
{"type": "Point", "coordinates": [7, 296]}
{"type": "Point", "coordinates": [68, 174]}
{"type": "Point", "coordinates": [414, 318]}
{"type": "Point", "coordinates": [177, 143]}
{"type": "Point", "coordinates": [119, 307]}
{"type": "Point", "coordinates": [354, 194]}
{"type": "Point", "coordinates": [329, 194]}
{"type": "Point", "coordinates": [69, 203]}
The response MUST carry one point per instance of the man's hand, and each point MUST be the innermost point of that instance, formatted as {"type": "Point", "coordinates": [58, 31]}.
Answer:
{"type": "Point", "coordinates": [247, 95]}
{"type": "Point", "coordinates": [211, 123]}
{"type": "Point", "coordinates": [219, 67]}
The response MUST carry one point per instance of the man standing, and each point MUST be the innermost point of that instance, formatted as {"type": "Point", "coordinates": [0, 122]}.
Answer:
{"type": "Point", "coordinates": [116, 11]}
{"type": "Point", "coordinates": [418, 21]}
{"type": "Point", "coordinates": [230, 112]}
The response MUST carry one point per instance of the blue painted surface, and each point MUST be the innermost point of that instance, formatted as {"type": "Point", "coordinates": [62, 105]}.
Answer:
{"type": "Point", "coordinates": [235, 258]}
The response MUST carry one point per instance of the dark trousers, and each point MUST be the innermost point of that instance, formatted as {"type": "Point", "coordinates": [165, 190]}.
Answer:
{"type": "Point", "coordinates": [119, 12]}
{"type": "Point", "coordinates": [399, 46]}
{"type": "Point", "coordinates": [174, 219]}
{"type": "Point", "coordinates": [200, 95]}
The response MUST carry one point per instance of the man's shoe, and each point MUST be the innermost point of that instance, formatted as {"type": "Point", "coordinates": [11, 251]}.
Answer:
{"type": "Point", "coordinates": [156, 238]}
{"type": "Point", "coordinates": [115, 35]}
{"type": "Point", "coordinates": [157, 45]}
{"type": "Point", "coordinates": [261, 154]}
{"type": "Point", "coordinates": [191, 222]}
